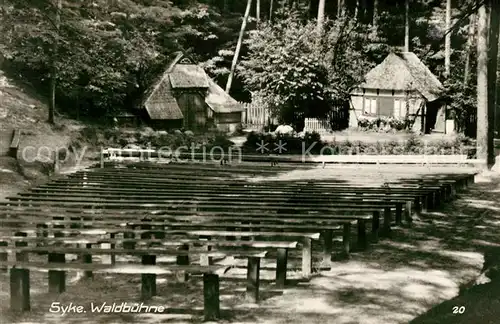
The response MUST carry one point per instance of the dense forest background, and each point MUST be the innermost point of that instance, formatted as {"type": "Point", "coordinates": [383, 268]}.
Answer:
{"type": "Point", "coordinates": [101, 55]}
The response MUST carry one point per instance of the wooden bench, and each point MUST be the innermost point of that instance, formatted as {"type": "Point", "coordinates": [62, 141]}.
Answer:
{"type": "Point", "coordinates": [14, 144]}
{"type": "Point", "coordinates": [253, 251]}
{"type": "Point", "coordinates": [20, 280]}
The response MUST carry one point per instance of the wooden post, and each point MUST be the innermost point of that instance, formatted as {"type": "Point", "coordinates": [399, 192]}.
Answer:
{"type": "Point", "coordinates": [57, 278]}
{"type": "Point", "coordinates": [386, 230]}
{"type": "Point", "coordinates": [129, 245]}
{"type": "Point", "coordinates": [20, 281]}
{"type": "Point", "coordinates": [148, 280]}
{"type": "Point", "coordinates": [375, 225]}
{"type": "Point", "coordinates": [362, 241]}
{"type": "Point", "coordinates": [399, 213]}
{"type": "Point", "coordinates": [206, 260]}
{"type": "Point", "coordinates": [87, 258]}
{"type": "Point", "coordinates": [182, 276]}
{"type": "Point", "coordinates": [4, 256]}
{"type": "Point", "coordinates": [408, 211]}
{"type": "Point", "coordinates": [424, 200]}
{"type": "Point", "coordinates": [281, 267]}
{"type": "Point", "coordinates": [307, 257]}
{"type": "Point", "coordinates": [327, 246]}
{"type": "Point", "coordinates": [253, 279]}
{"type": "Point", "coordinates": [211, 296]}
{"type": "Point", "coordinates": [346, 240]}
{"type": "Point", "coordinates": [19, 290]}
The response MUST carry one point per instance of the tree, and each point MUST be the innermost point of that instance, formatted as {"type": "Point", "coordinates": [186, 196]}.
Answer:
{"type": "Point", "coordinates": [53, 73]}
{"type": "Point", "coordinates": [447, 46]}
{"type": "Point", "coordinates": [238, 46]}
{"type": "Point", "coordinates": [468, 47]}
{"type": "Point", "coordinates": [298, 76]}
{"type": "Point", "coordinates": [482, 84]}
{"type": "Point", "coordinates": [321, 16]}
{"type": "Point", "coordinates": [492, 75]}
{"type": "Point", "coordinates": [375, 16]}
{"type": "Point", "coordinates": [407, 26]}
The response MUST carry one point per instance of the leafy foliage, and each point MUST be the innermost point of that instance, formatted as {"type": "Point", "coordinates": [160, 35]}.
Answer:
{"type": "Point", "coordinates": [300, 74]}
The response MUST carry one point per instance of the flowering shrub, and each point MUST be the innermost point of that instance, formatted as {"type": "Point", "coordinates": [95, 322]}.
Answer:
{"type": "Point", "coordinates": [381, 123]}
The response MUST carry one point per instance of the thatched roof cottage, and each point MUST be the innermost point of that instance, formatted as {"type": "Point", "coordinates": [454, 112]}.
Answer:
{"type": "Point", "coordinates": [401, 86]}
{"type": "Point", "coordinates": [184, 96]}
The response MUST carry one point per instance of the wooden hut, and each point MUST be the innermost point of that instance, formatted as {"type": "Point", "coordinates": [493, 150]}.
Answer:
{"type": "Point", "coordinates": [186, 97]}
{"type": "Point", "coordinates": [402, 87]}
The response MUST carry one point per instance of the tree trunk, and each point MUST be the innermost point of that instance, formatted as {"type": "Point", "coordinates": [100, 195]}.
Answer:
{"type": "Point", "coordinates": [375, 16]}
{"type": "Point", "coordinates": [492, 76]}
{"type": "Point", "coordinates": [407, 26]}
{"type": "Point", "coordinates": [271, 11]}
{"type": "Point", "coordinates": [357, 11]}
{"type": "Point", "coordinates": [321, 16]}
{"type": "Point", "coordinates": [257, 12]}
{"type": "Point", "coordinates": [53, 72]}
{"type": "Point", "coordinates": [482, 85]}
{"type": "Point", "coordinates": [238, 46]}
{"type": "Point", "coordinates": [340, 8]}
{"type": "Point", "coordinates": [468, 48]}
{"type": "Point", "coordinates": [447, 41]}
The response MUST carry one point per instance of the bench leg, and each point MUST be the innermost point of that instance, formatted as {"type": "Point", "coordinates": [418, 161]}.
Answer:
{"type": "Point", "coordinates": [206, 260]}
{"type": "Point", "coordinates": [362, 241]}
{"type": "Point", "coordinates": [87, 258]}
{"type": "Point", "coordinates": [399, 214]}
{"type": "Point", "coordinates": [4, 256]}
{"type": "Point", "coordinates": [346, 240]}
{"type": "Point", "coordinates": [387, 222]}
{"type": "Point", "coordinates": [253, 279]}
{"type": "Point", "coordinates": [425, 203]}
{"type": "Point", "coordinates": [281, 266]}
{"type": "Point", "coordinates": [148, 280]}
{"type": "Point", "coordinates": [408, 211]}
{"type": "Point", "coordinates": [20, 289]}
{"type": "Point", "coordinates": [57, 278]}
{"type": "Point", "coordinates": [182, 276]}
{"type": "Point", "coordinates": [327, 246]}
{"type": "Point", "coordinates": [211, 297]}
{"type": "Point", "coordinates": [128, 245]}
{"type": "Point", "coordinates": [375, 225]}
{"type": "Point", "coordinates": [418, 205]}
{"type": "Point", "coordinates": [307, 257]}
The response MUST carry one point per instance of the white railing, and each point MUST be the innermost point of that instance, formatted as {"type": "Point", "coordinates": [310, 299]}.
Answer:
{"type": "Point", "coordinates": [321, 126]}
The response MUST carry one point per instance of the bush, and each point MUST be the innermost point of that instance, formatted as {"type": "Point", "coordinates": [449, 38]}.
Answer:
{"type": "Point", "coordinates": [290, 143]}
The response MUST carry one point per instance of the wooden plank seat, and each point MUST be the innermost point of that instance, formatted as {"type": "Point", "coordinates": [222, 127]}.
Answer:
{"type": "Point", "coordinates": [267, 207]}
{"type": "Point", "coordinates": [20, 280]}
{"type": "Point", "coordinates": [304, 237]}
{"type": "Point", "coordinates": [321, 198]}
{"type": "Point", "coordinates": [157, 181]}
{"type": "Point", "coordinates": [175, 220]}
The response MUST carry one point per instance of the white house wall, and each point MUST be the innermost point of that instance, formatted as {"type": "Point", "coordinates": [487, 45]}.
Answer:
{"type": "Point", "coordinates": [358, 97]}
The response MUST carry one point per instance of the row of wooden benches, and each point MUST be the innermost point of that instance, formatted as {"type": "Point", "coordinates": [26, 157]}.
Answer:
{"type": "Point", "coordinates": [64, 210]}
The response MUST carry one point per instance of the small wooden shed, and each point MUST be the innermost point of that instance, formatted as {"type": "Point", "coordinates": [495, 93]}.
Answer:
{"type": "Point", "coordinates": [186, 97]}
{"type": "Point", "coordinates": [402, 87]}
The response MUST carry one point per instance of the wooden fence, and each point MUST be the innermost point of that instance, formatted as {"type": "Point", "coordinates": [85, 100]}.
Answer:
{"type": "Point", "coordinates": [258, 117]}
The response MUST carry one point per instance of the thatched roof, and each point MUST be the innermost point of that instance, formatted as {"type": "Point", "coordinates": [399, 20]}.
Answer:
{"type": "Point", "coordinates": [182, 73]}
{"type": "Point", "coordinates": [404, 71]}
{"type": "Point", "coordinates": [160, 102]}
{"type": "Point", "coordinates": [219, 101]}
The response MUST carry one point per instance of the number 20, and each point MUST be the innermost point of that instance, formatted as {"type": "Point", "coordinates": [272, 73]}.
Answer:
{"type": "Point", "coordinates": [458, 310]}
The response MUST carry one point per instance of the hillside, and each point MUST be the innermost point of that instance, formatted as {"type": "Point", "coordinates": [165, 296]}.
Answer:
{"type": "Point", "coordinates": [23, 109]}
